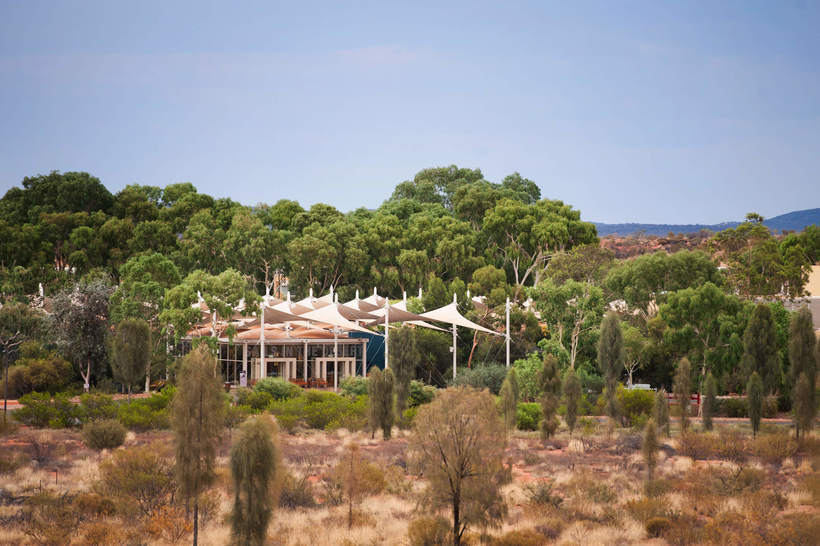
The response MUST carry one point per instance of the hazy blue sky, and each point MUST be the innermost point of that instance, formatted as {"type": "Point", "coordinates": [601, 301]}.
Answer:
{"type": "Point", "coordinates": [630, 111]}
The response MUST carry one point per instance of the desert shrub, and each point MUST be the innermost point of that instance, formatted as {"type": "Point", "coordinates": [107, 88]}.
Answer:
{"type": "Point", "coordinates": [524, 537]}
{"type": "Point", "coordinates": [429, 531]}
{"type": "Point", "coordinates": [103, 533]}
{"type": "Point", "coordinates": [147, 413]}
{"type": "Point", "coordinates": [97, 406]}
{"type": "Point", "coordinates": [739, 407]}
{"type": "Point", "coordinates": [49, 518]}
{"type": "Point", "coordinates": [253, 399]}
{"type": "Point", "coordinates": [296, 492]}
{"type": "Point", "coordinates": [353, 386]}
{"type": "Point", "coordinates": [646, 509]}
{"type": "Point", "coordinates": [169, 523]}
{"type": "Point", "coordinates": [541, 494]}
{"type": "Point", "coordinates": [43, 410]}
{"type": "Point", "coordinates": [489, 376]}
{"type": "Point", "coordinates": [104, 434]}
{"type": "Point", "coordinates": [799, 528]}
{"type": "Point", "coordinates": [10, 461]}
{"type": "Point", "coordinates": [731, 445]}
{"type": "Point", "coordinates": [45, 373]}
{"type": "Point", "coordinates": [635, 405]}
{"type": "Point", "coordinates": [773, 448]}
{"type": "Point", "coordinates": [657, 526]}
{"type": "Point", "coordinates": [698, 446]}
{"type": "Point", "coordinates": [528, 415]}
{"type": "Point", "coordinates": [420, 393]}
{"type": "Point", "coordinates": [589, 487]}
{"type": "Point", "coordinates": [139, 479]}
{"type": "Point", "coordinates": [236, 415]}
{"type": "Point", "coordinates": [321, 410]}
{"type": "Point", "coordinates": [93, 505]}
{"type": "Point", "coordinates": [407, 416]}
{"type": "Point", "coordinates": [278, 389]}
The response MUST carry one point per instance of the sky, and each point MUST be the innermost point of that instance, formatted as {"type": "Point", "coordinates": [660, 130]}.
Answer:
{"type": "Point", "coordinates": [662, 112]}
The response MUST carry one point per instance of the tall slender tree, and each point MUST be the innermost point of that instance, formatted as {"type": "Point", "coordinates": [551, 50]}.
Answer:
{"type": "Point", "coordinates": [709, 401]}
{"type": "Point", "coordinates": [754, 397]}
{"type": "Point", "coordinates": [131, 351]}
{"type": "Point", "coordinates": [760, 348]}
{"type": "Point", "coordinates": [572, 397]}
{"type": "Point", "coordinates": [550, 384]}
{"type": "Point", "coordinates": [683, 389]}
{"type": "Point", "coordinates": [611, 358]}
{"type": "Point", "coordinates": [255, 466]}
{"type": "Point", "coordinates": [380, 386]}
{"type": "Point", "coordinates": [197, 419]}
{"type": "Point", "coordinates": [803, 357]}
{"type": "Point", "coordinates": [509, 399]}
{"type": "Point", "coordinates": [405, 357]}
{"type": "Point", "coordinates": [661, 411]}
{"type": "Point", "coordinates": [649, 448]}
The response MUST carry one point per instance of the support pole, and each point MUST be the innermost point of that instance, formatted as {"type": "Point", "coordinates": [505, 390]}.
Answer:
{"type": "Point", "coordinates": [454, 352]}
{"type": "Point", "coordinates": [243, 381]}
{"type": "Point", "coordinates": [386, 331]}
{"type": "Point", "coordinates": [263, 371]}
{"type": "Point", "coordinates": [306, 361]}
{"type": "Point", "coordinates": [364, 358]}
{"type": "Point", "coordinates": [335, 359]}
{"type": "Point", "coordinates": [508, 332]}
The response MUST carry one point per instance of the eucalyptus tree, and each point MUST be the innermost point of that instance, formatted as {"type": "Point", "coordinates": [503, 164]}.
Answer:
{"type": "Point", "coordinates": [760, 348]}
{"type": "Point", "coordinates": [611, 358]}
{"type": "Point", "coordinates": [18, 323]}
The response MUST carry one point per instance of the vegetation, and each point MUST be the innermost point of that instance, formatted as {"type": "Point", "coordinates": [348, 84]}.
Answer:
{"type": "Point", "coordinates": [131, 351]}
{"type": "Point", "coordinates": [104, 434]}
{"type": "Point", "coordinates": [611, 359]}
{"type": "Point", "coordinates": [550, 391]}
{"type": "Point", "coordinates": [509, 399]}
{"type": "Point", "coordinates": [381, 402]}
{"type": "Point", "coordinates": [709, 401]}
{"type": "Point", "coordinates": [572, 396]}
{"type": "Point", "coordinates": [683, 390]}
{"type": "Point", "coordinates": [754, 393]}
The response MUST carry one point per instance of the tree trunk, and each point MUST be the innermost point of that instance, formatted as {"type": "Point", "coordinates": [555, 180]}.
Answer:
{"type": "Point", "coordinates": [5, 387]}
{"type": "Point", "coordinates": [456, 522]}
{"type": "Point", "coordinates": [87, 376]}
{"type": "Point", "coordinates": [196, 520]}
{"type": "Point", "coordinates": [148, 377]}
{"type": "Point", "coordinates": [472, 350]}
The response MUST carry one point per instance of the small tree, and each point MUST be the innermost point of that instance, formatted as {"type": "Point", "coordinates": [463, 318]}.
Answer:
{"type": "Point", "coordinates": [611, 359]}
{"type": "Point", "coordinates": [649, 448]}
{"type": "Point", "coordinates": [754, 396]}
{"type": "Point", "coordinates": [255, 466]}
{"type": "Point", "coordinates": [661, 411]}
{"type": "Point", "coordinates": [683, 389]}
{"type": "Point", "coordinates": [760, 348]}
{"type": "Point", "coordinates": [458, 445]}
{"type": "Point", "coordinates": [709, 400]}
{"type": "Point", "coordinates": [405, 356]}
{"type": "Point", "coordinates": [803, 357]}
{"type": "Point", "coordinates": [550, 386]}
{"type": "Point", "coordinates": [197, 419]}
{"type": "Point", "coordinates": [804, 407]}
{"type": "Point", "coordinates": [572, 397]}
{"type": "Point", "coordinates": [18, 322]}
{"type": "Point", "coordinates": [380, 385]}
{"type": "Point", "coordinates": [131, 352]}
{"type": "Point", "coordinates": [357, 477]}
{"type": "Point", "coordinates": [509, 399]}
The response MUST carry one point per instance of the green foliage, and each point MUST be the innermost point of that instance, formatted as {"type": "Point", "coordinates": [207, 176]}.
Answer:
{"type": "Point", "coordinates": [406, 356]}
{"type": "Point", "coordinates": [649, 448]}
{"type": "Point", "coordinates": [660, 412]}
{"type": "Point", "coordinates": [429, 531]}
{"type": "Point", "coordinates": [421, 393]}
{"type": "Point", "coordinates": [754, 395]}
{"type": "Point", "coordinates": [256, 400]}
{"type": "Point", "coordinates": [380, 409]}
{"type": "Point", "coordinates": [634, 404]}
{"type": "Point", "coordinates": [152, 413]}
{"type": "Point", "coordinates": [139, 479]}
{"type": "Point", "coordinates": [550, 383]}
{"type": "Point", "coordinates": [97, 406]}
{"type": "Point", "coordinates": [526, 371]}
{"type": "Point", "coordinates": [528, 416]}
{"type": "Point", "coordinates": [255, 463]}
{"type": "Point", "coordinates": [47, 374]}
{"type": "Point", "coordinates": [489, 376]}
{"type": "Point", "coordinates": [321, 410]}
{"type": "Point", "coordinates": [804, 354]}
{"type": "Point", "coordinates": [611, 358]}
{"type": "Point", "coordinates": [683, 388]}
{"type": "Point", "coordinates": [353, 386]}
{"type": "Point", "coordinates": [104, 434]}
{"type": "Point", "coordinates": [131, 351]}
{"type": "Point", "coordinates": [277, 388]}
{"type": "Point", "coordinates": [509, 399]}
{"type": "Point", "coordinates": [709, 401]}
{"type": "Point", "coordinates": [572, 397]}
{"type": "Point", "coordinates": [804, 407]}
{"type": "Point", "coordinates": [760, 348]}
{"type": "Point", "coordinates": [43, 410]}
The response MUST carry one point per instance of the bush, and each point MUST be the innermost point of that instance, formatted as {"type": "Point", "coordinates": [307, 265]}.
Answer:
{"type": "Point", "coordinates": [253, 399]}
{"type": "Point", "coordinates": [696, 445]}
{"type": "Point", "coordinates": [278, 389]}
{"type": "Point", "coordinates": [147, 413]}
{"type": "Point", "coordinates": [646, 509]}
{"type": "Point", "coordinates": [739, 407]}
{"type": "Point", "coordinates": [774, 448]}
{"type": "Point", "coordinates": [657, 526]}
{"type": "Point", "coordinates": [482, 377]}
{"type": "Point", "coordinates": [97, 406]}
{"type": "Point", "coordinates": [104, 434]}
{"type": "Point", "coordinates": [10, 461]}
{"type": "Point", "coordinates": [525, 537]}
{"type": "Point", "coordinates": [296, 493]}
{"type": "Point", "coordinates": [429, 531]}
{"type": "Point", "coordinates": [321, 410]}
{"type": "Point", "coordinates": [43, 410]}
{"type": "Point", "coordinates": [139, 479]}
{"type": "Point", "coordinates": [46, 373]}
{"type": "Point", "coordinates": [528, 415]}
{"type": "Point", "coordinates": [420, 393]}
{"type": "Point", "coordinates": [636, 405]}
{"type": "Point", "coordinates": [353, 386]}
{"type": "Point", "coordinates": [541, 494]}
{"type": "Point", "coordinates": [93, 504]}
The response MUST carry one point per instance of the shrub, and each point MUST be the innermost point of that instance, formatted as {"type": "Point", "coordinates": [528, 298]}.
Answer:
{"type": "Point", "coordinates": [420, 393]}
{"type": "Point", "coordinates": [296, 493]}
{"type": "Point", "coordinates": [49, 518]}
{"type": "Point", "coordinates": [43, 410]}
{"type": "Point", "coordinates": [774, 448]}
{"type": "Point", "coordinates": [528, 415]}
{"type": "Point", "coordinates": [147, 413]}
{"type": "Point", "coordinates": [353, 386]}
{"type": "Point", "coordinates": [635, 405]}
{"type": "Point", "coordinates": [10, 461]}
{"type": "Point", "coordinates": [657, 526]}
{"type": "Point", "coordinates": [321, 410]}
{"type": "Point", "coordinates": [46, 373]}
{"type": "Point", "coordinates": [93, 504]}
{"type": "Point", "coordinates": [429, 531]}
{"type": "Point", "coordinates": [97, 406]}
{"type": "Point", "coordinates": [695, 445]}
{"type": "Point", "coordinates": [103, 434]}
{"type": "Point", "coordinates": [255, 400]}
{"type": "Point", "coordinates": [139, 479]}
{"type": "Point", "coordinates": [490, 377]}
{"type": "Point", "coordinates": [541, 494]}
{"type": "Point", "coordinates": [739, 407]}
{"type": "Point", "coordinates": [525, 537]}
{"type": "Point", "coordinates": [645, 509]}
{"type": "Point", "coordinates": [278, 389]}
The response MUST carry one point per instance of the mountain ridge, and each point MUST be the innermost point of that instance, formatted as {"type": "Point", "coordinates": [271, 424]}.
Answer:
{"type": "Point", "coordinates": [791, 221]}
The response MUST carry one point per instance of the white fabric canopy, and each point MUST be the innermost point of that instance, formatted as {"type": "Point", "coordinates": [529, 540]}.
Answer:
{"type": "Point", "coordinates": [449, 314]}
{"type": "Point", "coordinates": [331, 314]}
{"type": "Point", "coordinates": [397, 314]}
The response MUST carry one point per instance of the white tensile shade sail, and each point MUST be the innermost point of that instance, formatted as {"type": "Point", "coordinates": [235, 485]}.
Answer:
{"type": "Point", "coordinates": [275, 316]}
{"type": "Point", "coordinates": [449, 314]}
{"type": "Point", "coordinates": [333, 315]}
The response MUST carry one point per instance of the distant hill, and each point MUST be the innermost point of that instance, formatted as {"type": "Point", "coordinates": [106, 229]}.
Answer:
{"type": "Point", "coordinates": [794, 221]}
